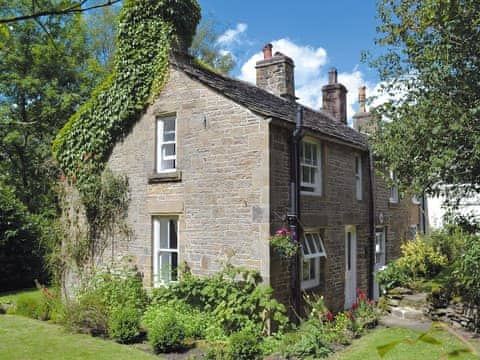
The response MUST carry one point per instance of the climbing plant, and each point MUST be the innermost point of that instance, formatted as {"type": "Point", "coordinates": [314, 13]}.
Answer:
{"type": "Point", "coordinates": [147, 31]}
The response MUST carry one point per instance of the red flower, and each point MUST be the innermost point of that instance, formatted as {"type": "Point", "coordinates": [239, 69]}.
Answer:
{"type": "Point", "coordinates": [350, 314]}
{"type": "Point", "coordinates": [329, 316]}
{"type": "Point", "coordinates": [371, 303]}
{"type": "Point", "coordinates": [362, 297]}
{"type": "Point", "coordinates": [355, 306]}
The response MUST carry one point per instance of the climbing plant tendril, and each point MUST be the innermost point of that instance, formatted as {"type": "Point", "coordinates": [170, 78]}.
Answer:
{"type": "Point", "coordinates": [148, 30]}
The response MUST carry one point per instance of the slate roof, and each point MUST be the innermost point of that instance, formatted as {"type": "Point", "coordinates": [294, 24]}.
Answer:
{"type": "Point", "coordinates": [264, 103]}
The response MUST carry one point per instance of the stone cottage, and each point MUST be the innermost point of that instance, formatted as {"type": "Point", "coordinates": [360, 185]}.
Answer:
{"type": "Point", "coordinates": [210, 172]}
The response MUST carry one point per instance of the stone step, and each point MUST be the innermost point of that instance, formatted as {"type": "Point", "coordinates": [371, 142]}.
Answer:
{"type": "Point", "coordinates": [407, 313]}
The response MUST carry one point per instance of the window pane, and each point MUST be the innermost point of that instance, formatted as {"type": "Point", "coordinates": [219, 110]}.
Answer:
{"type": "Point", "coordinates": [305, 174]}
{"type": "Point", "coordinates": [311, 245]}
{"type": "Point", "coordinates": [306, 270]}
{"type": "Point", "coordinates": [173, 234]}
{"type": "Point", "coordinates": [308, 249]}
{"type": "Point", "coordinates": [313, 172]}
{"type": "Point", "coordinates": [312, 268]}
{"type": "Point", "coordinates": [163, 233]}
{"type": "Point", "coordinates": [174, 267]}
{"type": "Point", "coordinates": [164, 267]}
{"type": "Point", "coordinates": [314, 154]}
{"type": "Point", "coordinates": [308, 152]}
{"type": "Point", "coordinates": [169, 130]}
{"type": "Point", "coordinates": [168, 150]}
{"type": "Point", "coordinates": [168, 164]}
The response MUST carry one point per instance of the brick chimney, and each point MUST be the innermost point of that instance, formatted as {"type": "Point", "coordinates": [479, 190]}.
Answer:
{"type": "Point", "coordinates": [362, 120]}
{"type": "Point", "coordinates": [334, 96]}
{"type": "Point", "coordinates": [275, 73]}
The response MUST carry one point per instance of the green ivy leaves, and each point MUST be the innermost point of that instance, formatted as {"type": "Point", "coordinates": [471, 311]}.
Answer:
{"type": "Point", "coordinates": [147, 32]}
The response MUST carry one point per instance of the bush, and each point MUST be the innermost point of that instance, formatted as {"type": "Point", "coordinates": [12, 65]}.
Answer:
{"type": "Point", "coordinates": [233, 297]}
{"type": "Point", "coordinates": [87, 315]}
{"type": "Point", "coordinates": [244, 344]}
{"type": "Point", "coordinates": [449, 242]}
{"type": "Point", "coordinates": [165, 332]}
{"type": "Point", "coordinates": [391, 276]}
{"type": "Point", "coordinates": [30, 304]}
{"type": "Point", "coordinates": [123, 324]}
{"type": "Point", "coordinates": [466, 272]}
{"type": "Point", "coordinates": [311, 342]}
{"type": "Point", "coordinates": [420, 258]}
{"type": "Point", "coordinates": [104, 296]}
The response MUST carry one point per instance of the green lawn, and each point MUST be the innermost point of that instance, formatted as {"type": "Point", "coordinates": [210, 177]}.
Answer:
{"type": "Point", "coordinates": [365, 348]}
{"type": "Point", "coordinates": [25, 339]}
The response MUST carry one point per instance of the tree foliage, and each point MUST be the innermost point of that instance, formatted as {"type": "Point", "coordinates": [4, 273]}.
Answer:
{"type": "Point", "coordinates": [205, 48]}
{"type": "Point", "coordinates": [430, 66]}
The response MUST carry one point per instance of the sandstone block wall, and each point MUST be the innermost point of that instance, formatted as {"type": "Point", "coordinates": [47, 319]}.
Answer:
{"type": "Point", "coordinates": [222, 200]}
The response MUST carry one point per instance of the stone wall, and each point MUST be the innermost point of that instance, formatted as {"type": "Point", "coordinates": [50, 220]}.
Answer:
{"type": "Point", "coordinates": [331, 212]}
{"type": "Point", "coordinates": [222, 199]}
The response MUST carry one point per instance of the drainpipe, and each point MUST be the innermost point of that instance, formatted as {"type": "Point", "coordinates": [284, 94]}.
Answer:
{"type": "Point", "coordinates": [294, 211]}
{"type": "Point", "coordinates": [373, 220]}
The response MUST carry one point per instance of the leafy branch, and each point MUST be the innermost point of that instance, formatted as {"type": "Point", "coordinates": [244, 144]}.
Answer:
{"type": "Point", "coordinates": [75, 8]}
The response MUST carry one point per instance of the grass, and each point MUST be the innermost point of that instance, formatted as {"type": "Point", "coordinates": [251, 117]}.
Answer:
{"type": "Point", "coordinates": [22, 338]}
{"type": "Point", "coordinates": [366, 347]}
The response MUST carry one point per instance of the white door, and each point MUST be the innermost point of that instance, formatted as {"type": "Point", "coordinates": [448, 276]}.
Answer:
{"type": "Point", "coordinates": [350, 266]}
{"type": "Point", "coordinates": [379, 258]}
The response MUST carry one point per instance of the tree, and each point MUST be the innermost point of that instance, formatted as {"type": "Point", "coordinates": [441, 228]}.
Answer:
{"type": "Point", "coordinates": [431, 56]}
{"type": "Point", "coordinates": [38, 9]}
{"type": "Point", "coordinates": [205, 48]}
{"type": "Point", "coordinates": [46, 71]}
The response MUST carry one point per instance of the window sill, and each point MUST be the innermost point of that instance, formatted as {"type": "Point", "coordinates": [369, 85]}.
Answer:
{"type": "Point", "coordinates": [308, 193]}
{"type": "Point", "coordinates": [172, 176]}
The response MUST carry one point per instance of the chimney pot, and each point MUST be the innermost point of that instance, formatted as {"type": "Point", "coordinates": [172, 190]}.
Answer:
{"type": "Point", "coordinates": [333, 76]}
{"type": "Point", "coordinates": [267, 51]}
{"type": "Point", "coordinates": [362, 99]}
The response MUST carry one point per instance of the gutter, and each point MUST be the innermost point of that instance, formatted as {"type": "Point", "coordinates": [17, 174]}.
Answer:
{"type": "Point", "coordinates": [294, 211]}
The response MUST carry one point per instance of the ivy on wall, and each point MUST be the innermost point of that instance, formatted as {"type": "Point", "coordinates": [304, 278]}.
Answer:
{"type": "Point", "coordinates": [147, 30]}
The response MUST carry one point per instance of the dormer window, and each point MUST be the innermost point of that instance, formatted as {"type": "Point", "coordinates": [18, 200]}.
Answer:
{"type": "Point", "coordinates": [166, 152]}
{"type": "Point", "coordinates": [310, 167]}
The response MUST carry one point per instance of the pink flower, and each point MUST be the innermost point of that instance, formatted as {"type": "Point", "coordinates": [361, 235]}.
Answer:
{"type": "Point", "coordinates": [371, 303]}
{"type": "Point", "coordinates": [355, 306]}
{"type": "Point", "coordinates": [362, 297]}
{"type": "Point", "coordinates": [282, 231]}
{"type": "Point", "coordinates": [329, 316]}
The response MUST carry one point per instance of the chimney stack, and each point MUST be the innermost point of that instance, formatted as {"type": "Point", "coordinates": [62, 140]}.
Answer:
{"type": "Point", "coordinates": [362, 120]}
{"type": "Point", "coordinates": [267, 51]}
{"type": "Point", "coordinates": [334, 96]}
{"type": "Point", "coordinates": [275, 73]}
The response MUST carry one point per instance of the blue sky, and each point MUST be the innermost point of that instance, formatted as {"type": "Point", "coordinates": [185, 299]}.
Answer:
{"type": "Point", "coordinates": [317, 34]}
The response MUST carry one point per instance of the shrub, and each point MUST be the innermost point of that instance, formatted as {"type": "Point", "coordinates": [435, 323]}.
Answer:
{"type": "Point", "coordinates": [233, 297]}
{"type": "Point", "coordinates": [391, 276]}
{"type": "Point", "coordinates": [244, 344]}
{"type": "Point", "coordinates": [30, 304]}
{"type": "Point", "coordinates": [466, 272]}
{"type": "Point", "coordinates": [311, 342]}
{"type": "Point", "coordinates": [420, 258]}
{"type": "Point", "coordinates": [123, 324]}
{"type": "Point", "coordinates": [88, 314]}
{"type": "Point", "coordinates": [450, 242]}
{"type": "Point", "coordinates": [165, 332]}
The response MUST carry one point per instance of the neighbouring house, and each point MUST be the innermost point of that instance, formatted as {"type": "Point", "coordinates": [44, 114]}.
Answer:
{"type": "Point", "coordinates": [210, 168]}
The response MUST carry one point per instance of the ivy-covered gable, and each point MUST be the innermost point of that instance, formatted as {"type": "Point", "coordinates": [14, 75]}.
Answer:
{"type": "Point", "coordinates": [148, 30]}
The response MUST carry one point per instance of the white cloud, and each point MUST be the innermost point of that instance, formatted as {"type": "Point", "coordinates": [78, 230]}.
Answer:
{"type": "Point", "coordinates": [231, 36]}
{"type": "Point", "coordinates": [311, 74]}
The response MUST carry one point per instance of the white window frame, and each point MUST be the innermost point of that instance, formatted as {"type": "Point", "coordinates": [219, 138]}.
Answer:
{"type": "Point", "coordinates": [312, 255]}
{"type": "Point", "coordinates": [358, 177]}
{"type": "Point", "coordinates": [394, 188]}
{"type": "Point", "coordinates": [317, 185]}
{"type": "Point", "coordinates": [160, 143]}
{"type": "Point", "coordinates": [158, 251]}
